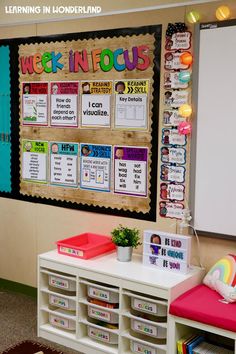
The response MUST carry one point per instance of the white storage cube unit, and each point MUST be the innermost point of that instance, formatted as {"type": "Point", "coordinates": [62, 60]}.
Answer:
{"type": "Point", "coordinates": [148, 328]}
{"type": "Point", "coordinates": [102, 335]}
{"type": "Point", "coordinates": [147, 306]}
{"type": "Point", "coordinates": [62, 302]}
{"type": "Point", "coordinates": [103, 294]}
{"type": "Point", "coordinates": [61, 321]}
{"type": "Point", "coordinates": [61, 282]}
{"type": "Point", "coordinates": [103, 315]}
{"type": "Point", "coordinates": [94, 329]}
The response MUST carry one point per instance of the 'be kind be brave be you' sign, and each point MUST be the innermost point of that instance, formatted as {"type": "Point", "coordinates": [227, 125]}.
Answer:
{"type": "Point", "coordinates": [166, 251]}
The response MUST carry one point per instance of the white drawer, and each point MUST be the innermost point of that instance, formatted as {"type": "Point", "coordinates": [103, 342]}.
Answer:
{"type": "Point", "coordinates": [62, 283]}
{"type": "Point", "coordinates": [103, 294]}
{"type": "Point", "coordinates": [103, 315]}
{"type": "Point", "coordinates": [150, 329]}
{"type": "Point", "coordinates": [62, 302]}
{"type": "Point", "coordinates": [102, 335]}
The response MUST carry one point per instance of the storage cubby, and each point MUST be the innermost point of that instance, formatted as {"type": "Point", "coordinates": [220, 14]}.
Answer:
{"type": "Point", "coordinates": [105, 306]}
{"type": "Point", "coordinates": [180, 327]}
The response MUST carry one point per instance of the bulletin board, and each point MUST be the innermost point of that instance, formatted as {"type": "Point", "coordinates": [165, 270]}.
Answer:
{"type": "Point", "coordinates": [87, 122]}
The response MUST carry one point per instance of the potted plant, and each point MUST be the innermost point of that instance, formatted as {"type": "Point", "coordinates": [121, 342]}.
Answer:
{"type": "Point", "coordinates": [125, 239]}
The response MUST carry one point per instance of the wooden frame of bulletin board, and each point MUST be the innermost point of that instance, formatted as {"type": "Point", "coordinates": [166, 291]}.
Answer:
{"type": "Point", "coordinates": [95, 151]}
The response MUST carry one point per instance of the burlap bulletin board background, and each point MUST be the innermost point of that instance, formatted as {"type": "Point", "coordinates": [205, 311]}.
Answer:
{"type": "Point", "coordinates": [108, 202]}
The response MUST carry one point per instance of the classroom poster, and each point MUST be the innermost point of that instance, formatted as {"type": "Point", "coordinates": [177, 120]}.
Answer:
{"type": "Point", "coordinates": [171, 136]}
{"type": "Point", "coordinates": [64, 103]}
{"type": "Point", "coordinates": [173, 155]}
{"type": "Point", "coordinates": [34, 160]}
{"type": "Point", "coordinates": [131, 104]}
{"type": "Point", "coordinates": [35, 103]}
{"type": "Point", "coordinates": [96, 103]}
{"type": "Point", "coordinates": [95, 167]}
{"type": "Point", "coordinates": [172, 191]}
{"type": "Point", "coordinates": [64, 164]}
{"type": "Point", "coordinates": [130, 175]}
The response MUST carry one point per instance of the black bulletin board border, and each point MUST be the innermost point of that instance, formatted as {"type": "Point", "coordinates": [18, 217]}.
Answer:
{"type": "Point", "coordinates": [14, 80]}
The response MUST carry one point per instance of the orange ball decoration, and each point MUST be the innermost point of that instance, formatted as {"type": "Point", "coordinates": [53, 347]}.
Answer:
{"type": "Point", "coordinates": [223, 13]}
{"type": "Point", "coordinates": [186, 58]}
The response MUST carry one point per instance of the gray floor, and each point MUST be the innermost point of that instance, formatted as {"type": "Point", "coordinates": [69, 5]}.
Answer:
{"type": "Point", "coordinates": [19, 321]}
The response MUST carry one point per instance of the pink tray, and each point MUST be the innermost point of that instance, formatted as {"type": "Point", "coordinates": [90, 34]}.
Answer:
{"type": "Point", "coordinates": [85, 246]}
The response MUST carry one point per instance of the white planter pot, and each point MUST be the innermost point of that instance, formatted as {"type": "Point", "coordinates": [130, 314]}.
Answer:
{"type": "Point", "coordinates": [124, 254]}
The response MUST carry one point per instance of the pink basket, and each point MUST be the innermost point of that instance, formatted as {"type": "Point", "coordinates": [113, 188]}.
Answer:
{"type": "Point", "coordinates": [85, 246]}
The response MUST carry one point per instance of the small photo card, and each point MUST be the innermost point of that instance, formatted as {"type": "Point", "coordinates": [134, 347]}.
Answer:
{"type": "Point", "coordinates": [173, 155]}
{"type": "Point", "coordinates": [171, 81]}
{"type": "Point", "coordinates": [171, 210]}
{"type": "Point", "coordinates": [172, 117]}
{"type": "Point", "coordinates": [172, 191]}
{"type": "Point", "coordinates": [179, 41]}
{"type": "Point", "coordinates": [176, 98]}
{"type": "Point", "coordinates": [172, 61]}
{"type": "Point", "coordinates": [171, 136]}
{"type": "Point", "coordinates": [171, 173]}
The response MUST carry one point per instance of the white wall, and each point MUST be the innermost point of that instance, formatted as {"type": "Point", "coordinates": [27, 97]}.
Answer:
{"type": "Point", "coordinates": [27, 229]}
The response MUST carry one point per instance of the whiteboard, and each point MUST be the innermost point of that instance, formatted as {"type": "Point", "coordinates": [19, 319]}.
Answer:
{"type": "Point", "coordinates": [215, 164]}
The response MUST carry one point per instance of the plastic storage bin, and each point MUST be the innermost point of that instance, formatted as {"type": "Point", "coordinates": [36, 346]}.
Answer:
{"type": "Point", "coordinates": [60, 301]}
{"type": "Point", "coordinates": [85, 246]}
{"type": "Point", "coordinates": [147, 328]}
{"type": "Point", "coordinates": [61, 322]}
{"type": "Point", "coordinates": [103, 315]}
{"type": "Point", "coordinates": [62, 283]}
{"type": "Point", "coordinates": [101, 335]}
{"type": "Point", "coordinates": [149, 307]}
{"type": "Point", "coordinates": [140, 348]}
{"type": "Point", "coordinates": [103, 294]}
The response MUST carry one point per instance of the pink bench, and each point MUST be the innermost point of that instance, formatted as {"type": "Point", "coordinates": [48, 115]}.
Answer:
{"type": "Point", "coordinates": [202, 304]}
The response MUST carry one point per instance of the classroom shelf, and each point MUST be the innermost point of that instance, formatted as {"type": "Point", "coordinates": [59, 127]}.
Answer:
{"type": "Point", "coordinates": [113, 282]}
